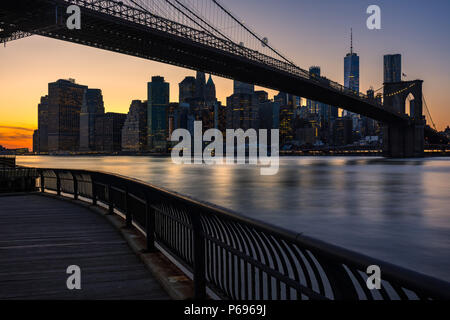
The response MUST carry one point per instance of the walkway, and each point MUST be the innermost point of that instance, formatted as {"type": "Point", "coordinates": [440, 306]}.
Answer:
{"type": "Point", "coordinates": [41, 236]}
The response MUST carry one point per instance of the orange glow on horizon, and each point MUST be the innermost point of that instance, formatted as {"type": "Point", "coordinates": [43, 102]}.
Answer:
{"type": "Point", "coordinates": [16, 137]}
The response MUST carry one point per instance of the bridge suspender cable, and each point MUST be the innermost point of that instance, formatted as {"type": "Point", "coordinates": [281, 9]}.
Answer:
{"type": "Point", "coordinates": [190, 18]}
{"type": "Point", "coordinates": [378, 89]}
{"type": "Point", "coordinates": [253, 34]}
{"type": "Point", "coordinates": [428, 111]}
{"type": "Point", "coordinates": [198, 17]}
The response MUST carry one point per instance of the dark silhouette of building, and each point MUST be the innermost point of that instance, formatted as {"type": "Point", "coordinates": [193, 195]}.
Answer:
{"type": "Point", "coordinates": [108, 132]}
{"type": "Point", "coordinates": [65, 99]}
{"type": "Point", "coordinates": [244, 88]}
{"type": "Point", "coordinates": [269, 113]}
{"type": "Point", "coordinates": [134, 131]}
{"type": "Point", "coordinates": [305, 132]}
{"type": "Point", "coordinates": [187, 89]}
{"type": "Point", "coordinates": [447, 132]}
{"type": "Point", "coordinates": [242, 111]}
{"type": "Point", "coordinates": [262, 96]}
{"type": "Point", "coordinates": [285, 99]}
{"type": "Point", "coordinates": [42, 143]}
{"type": "Point", "coordinates": [287, 116]}
{"type": "Point", "coordinates": [200, 85]}
{"type": "Point", "coordinates": [36, 141]}
{"type": "Point", "coordinates": [392, 68]}
{"type": "Point", "coordinates": [342, 131]}
{"type": "Point", "coordinates": [210, 92]}
{"type": "Point", "coordinates": [158, 103]}
{"type": "Point", "coordinates": [92, 108]}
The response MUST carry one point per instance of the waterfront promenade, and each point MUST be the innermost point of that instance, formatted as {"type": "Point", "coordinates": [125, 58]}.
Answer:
{"type": "Point", "coordinates": [178, 239]}
{"type": "Point", "coordinates": [41, 236]}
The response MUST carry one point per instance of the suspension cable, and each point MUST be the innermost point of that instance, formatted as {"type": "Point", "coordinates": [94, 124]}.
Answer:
{"type": "Point", "coordinates": [253, 34]}
{"type": "Point", "coordinates": [428, 111]}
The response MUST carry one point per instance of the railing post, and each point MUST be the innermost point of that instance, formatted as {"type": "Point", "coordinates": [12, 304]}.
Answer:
{"type": "Point", "coordinates": [128, 216]}
{"type": "Point", "coordinates": [110, 200]}
{"type": "Point", "coordinates": [199, 258]}
{"type": "Point", "coordinates": [58, 184]}
{"type": "Point", "coordinates": [340, 282]}
{"type": "Point", "coordinates": [150, 225]}
{"type": "Point", "coordinates": [42, 182]}
{"type": "Point", "coordinates": [94, 192]}
{"type": "Point", "coordinates": [75, 187]}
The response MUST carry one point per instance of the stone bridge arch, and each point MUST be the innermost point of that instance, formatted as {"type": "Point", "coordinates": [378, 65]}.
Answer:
{"type": "Point", "coordinates": [402, 140]}
{"type": "Point", "coordinates": [395, 95]}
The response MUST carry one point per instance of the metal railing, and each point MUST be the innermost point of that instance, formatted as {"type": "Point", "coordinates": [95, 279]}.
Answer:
{"type": "Point", "coordinates": [7, 161]}
{"type": "Point", "coordinates": [236, 257]}
{"type": "Point", "coordinates": [17, 179]}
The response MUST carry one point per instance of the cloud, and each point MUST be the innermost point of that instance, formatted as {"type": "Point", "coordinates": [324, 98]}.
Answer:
{"type": "Point", "coordinates": [15, 137]}
{"type": "Point", "coordinates": [17, 128]}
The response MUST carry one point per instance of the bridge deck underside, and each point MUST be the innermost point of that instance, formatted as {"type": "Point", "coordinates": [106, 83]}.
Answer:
{"type": "Point", "coordinates": [41, 236]}
{"type": "Point", "coordinates": [113, 33]}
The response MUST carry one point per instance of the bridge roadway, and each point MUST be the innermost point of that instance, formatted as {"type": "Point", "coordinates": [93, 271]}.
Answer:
{"type": "Point", "coordinates": [41, 236]}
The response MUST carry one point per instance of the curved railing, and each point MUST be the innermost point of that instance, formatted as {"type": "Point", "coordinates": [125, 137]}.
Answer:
{"type": "Point", "coordinates": [236, 257]}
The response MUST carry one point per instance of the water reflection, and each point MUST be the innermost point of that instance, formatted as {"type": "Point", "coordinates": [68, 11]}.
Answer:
{"type": "Point", "coordinates": [396, 210]}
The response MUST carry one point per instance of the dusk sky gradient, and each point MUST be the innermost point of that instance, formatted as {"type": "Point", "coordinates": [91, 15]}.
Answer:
{"type": "Point", "coordinates": [309, 32]}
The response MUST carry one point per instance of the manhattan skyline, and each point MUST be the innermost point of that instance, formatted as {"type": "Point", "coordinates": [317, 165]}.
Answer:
{"type": "Point", "coordinates": [321, 34]}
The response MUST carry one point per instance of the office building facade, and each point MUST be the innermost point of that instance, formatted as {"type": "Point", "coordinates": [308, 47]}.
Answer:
{"type": "Point", "coordinates": [42, 135]}
{"type": "Point", "coordinates": [134, 131]}
{"type": "Point", "coordinates": [392, 68]}
{"type": "Point", "coordinates": [108, 132]}
{"type": "Point", "coordinates": [157, 111]}
{"type": "Point", "coordinates": [65, 99]}
{"type": "Point", "coordinates": [91, 109]}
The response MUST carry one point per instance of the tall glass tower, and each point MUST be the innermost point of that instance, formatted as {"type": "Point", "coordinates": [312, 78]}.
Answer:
{"type": "Point", "coordinates": [351, 77]}
{"type": "Point", "coordinates": [351, 69]}
{"type": "Point", "coordinates": [392, 68]}
{"type": "Point", "coordinates": [158, 104]}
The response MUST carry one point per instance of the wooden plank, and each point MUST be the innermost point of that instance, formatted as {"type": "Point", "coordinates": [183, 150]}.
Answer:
{"type": "Point", "coordinates": [40, 237]}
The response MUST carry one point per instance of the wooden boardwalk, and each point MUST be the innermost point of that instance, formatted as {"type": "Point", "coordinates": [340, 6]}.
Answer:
{"type": "Point", "coordinates": [41, 236]}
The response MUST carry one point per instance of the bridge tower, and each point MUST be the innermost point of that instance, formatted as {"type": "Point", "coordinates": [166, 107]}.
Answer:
{"type": "Point", "coordinates": [404, 140]}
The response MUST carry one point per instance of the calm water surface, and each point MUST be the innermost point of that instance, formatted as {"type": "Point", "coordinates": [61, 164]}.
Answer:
{"type": "Point", "coordinates": [395, 210]}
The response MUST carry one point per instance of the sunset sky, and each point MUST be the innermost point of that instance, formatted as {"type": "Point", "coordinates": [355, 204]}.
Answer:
{"type": "Point", "coordinates": [309, 32]}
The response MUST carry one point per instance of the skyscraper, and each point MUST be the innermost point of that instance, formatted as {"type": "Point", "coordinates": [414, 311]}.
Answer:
{"type": "Point", "coordinates": [351, 69]}
{"type": "Point", "coordinates": [200, 84]}
{"type": "Point", "coordinates": [108, 132]}
{"type": "Point", "coordinates": [314, 106]}
{"type": "Point", "coordinates": [210, 92]}
{"type": "Point", "coordinates": [392, 68]}
{"type": "Point", "coordinates": [36, 141]}
{"type": "Point", "coordinates": [351, 78]}
{"type": "Point", "coordinates": [241, 87]}
{"type": "Point", "coordinates": [287, 99]}
{"type": "Point", "coordinates": [134, 131]}
{"type": "Point", "coordinates": [65, 99]}
{"type": "Point", "coordinates": [92, 107]}
{"type": "Point", "coordinates": [42, 136]}
{"type": "Point", "coordinates": [187, 89]}
{"type": "Point", "coordinates": [158, 103]}
{"type": "Point", "coordinates": [242, 111]}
